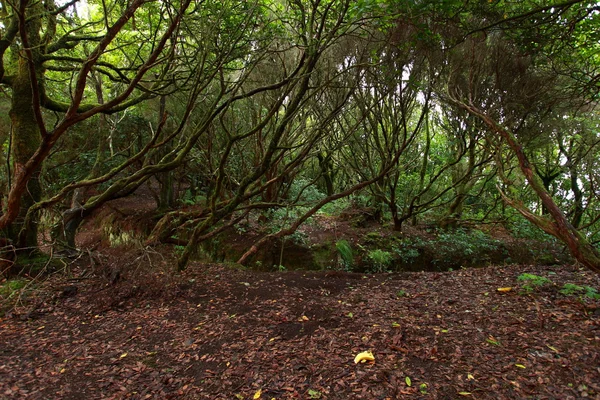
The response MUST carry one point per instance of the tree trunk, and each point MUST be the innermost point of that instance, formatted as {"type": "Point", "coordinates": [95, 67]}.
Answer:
{"type": "Point", "coordinates": [26, 138]}
{"type": "Point", "coordinates": [558, 225]}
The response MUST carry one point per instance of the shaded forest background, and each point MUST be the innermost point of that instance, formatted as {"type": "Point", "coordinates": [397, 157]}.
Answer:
{"type": "Point", "coordinates": [237, 114]}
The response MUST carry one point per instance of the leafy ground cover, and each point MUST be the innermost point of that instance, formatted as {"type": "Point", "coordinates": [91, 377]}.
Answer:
{"type": "Point", "coordinates": [216, 332]}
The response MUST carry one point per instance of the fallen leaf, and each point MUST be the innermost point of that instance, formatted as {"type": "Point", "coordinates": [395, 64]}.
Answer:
{"type": "Point", "coordinates": [257, 394]}
{"type": "Point", "coordinates": [504, 289]}
{"type": "Point", "coordinates": [552, 348]}
{"type": "Point", "coordinates": [408, 381]}
{"type": "Point", "coordinates": [364, 357]}
{"type": "Point", "coordinates": [520, 366]}
{"type": "Point", "coordinates": [123, 355]}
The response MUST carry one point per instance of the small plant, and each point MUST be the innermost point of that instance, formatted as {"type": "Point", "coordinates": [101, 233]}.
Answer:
{"type": "Point", "coordinates": [345, 250]}
{"type": "Point", "coordinates": [570, 289]}
{"type": "Point", "coordinates": [401, 293]}
{"type": "Point", "coordinates": [373, 236]}
{"type": "Point", "coordinates": [380, 259]}
{"type": "Point", "coordinates": [532, 282]}
{"type": "Point", "coordinates": [11, 287]}
{"type": "Point", "coordinates": [280, 268]}
{"type": "Point", "coordinates": [179, 249]}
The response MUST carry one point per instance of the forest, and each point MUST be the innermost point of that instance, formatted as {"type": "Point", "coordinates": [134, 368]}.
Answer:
{"type": "Point", "coordinates": [148, 146]}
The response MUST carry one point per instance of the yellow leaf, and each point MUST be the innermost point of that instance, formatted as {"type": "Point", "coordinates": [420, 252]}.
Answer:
{"type": "Point", "coordinates": [464, 393]}
{"type": "Point", "coordinates": [364, 357]}
{"type": "Point", "coordinates": [504, 289]}
{"type": "Point", "coordinates": [62, 371]}
{"type": "Point", "coordinates": [257, 394]}
{"type": "Point", "coordinates": [408, 381]}
{"type": "Point", "coordinates": [520, 366]}
{"type": "Point", "coordinates": [552, 348]}
{"type": "Point", "coordinates": [123, 355]}
{"type": "Point", "coordinates": [470, 377]}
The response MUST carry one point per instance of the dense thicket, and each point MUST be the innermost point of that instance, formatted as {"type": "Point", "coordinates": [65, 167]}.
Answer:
{"type": "Point", "coordinates": [427, 111]}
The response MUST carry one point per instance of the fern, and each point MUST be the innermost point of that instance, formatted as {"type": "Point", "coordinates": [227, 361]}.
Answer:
{"type": "Point", "coordinates": [343, 247]}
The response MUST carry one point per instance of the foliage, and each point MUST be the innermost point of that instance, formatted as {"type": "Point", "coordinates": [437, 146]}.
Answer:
{"type": "Point", "coordinates": [530, 282]}
{"type": "Point", "coordinates": [571, 289]}
{"type": "Point", "coordinates": [380, 260]}
{"type": "Point", "coordinates": [345, 251]}
{"type": "Point", "coordinates": [12, 287]}
{"type": "Point", "coordinates": [408, 250]}
{"type": "Point", "coordinates": [476, 246]}
{"type": "Point", "coordinates": [293, 108]}
{"type": "Point", "coordinates": [521, 228]}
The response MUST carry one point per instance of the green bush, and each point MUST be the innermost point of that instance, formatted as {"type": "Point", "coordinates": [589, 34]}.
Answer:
{"type": "Point", "coordinates": [408, 250]}
{"type": "Point", "coordinates": [523, 229]}
{"type": "Point", "coordinates": [380, 260]}
{"type": "Point", "coordinates": [474, 246]}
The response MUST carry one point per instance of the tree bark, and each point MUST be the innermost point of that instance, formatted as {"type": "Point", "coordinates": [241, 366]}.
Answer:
{"type": "Point", "coordinates": [25, 137]}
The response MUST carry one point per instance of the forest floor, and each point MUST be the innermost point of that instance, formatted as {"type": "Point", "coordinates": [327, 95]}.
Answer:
{"type": "Point", "coordinates": [217, 332]}
{"type": "Point", "coordinates": [117, 323]}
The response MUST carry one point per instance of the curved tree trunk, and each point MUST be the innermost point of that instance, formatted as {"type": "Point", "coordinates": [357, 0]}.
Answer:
{"type": "Point", "coordinates": [557, 225]}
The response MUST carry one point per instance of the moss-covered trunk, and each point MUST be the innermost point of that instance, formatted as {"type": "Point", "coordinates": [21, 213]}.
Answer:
{"type": "Point", "coordinates": [25, 137]}
{"type": "Point", "coordinates": [25, 133]}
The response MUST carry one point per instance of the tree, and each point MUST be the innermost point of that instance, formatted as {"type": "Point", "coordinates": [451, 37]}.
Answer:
{"type": "Point", "coordinates": [511, 89]}
{"type": "Point", "coordinates": [38, 42]}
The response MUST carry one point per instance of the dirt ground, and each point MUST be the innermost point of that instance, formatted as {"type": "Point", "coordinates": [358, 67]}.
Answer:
{"type": "Point", "coordinates": [216, 332]}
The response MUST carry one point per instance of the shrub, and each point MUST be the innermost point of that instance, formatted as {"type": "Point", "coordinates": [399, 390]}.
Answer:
{"type": "Point", "coordinates": [380, 260]}
{"type": "Point", "coordinates": [474, 246]}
